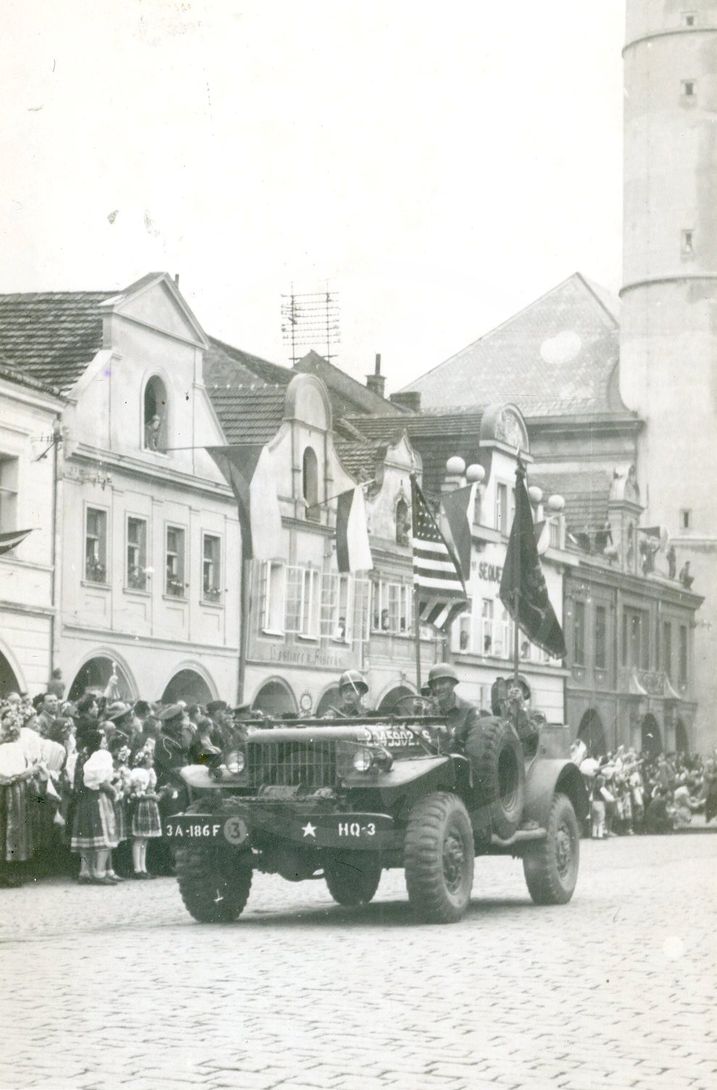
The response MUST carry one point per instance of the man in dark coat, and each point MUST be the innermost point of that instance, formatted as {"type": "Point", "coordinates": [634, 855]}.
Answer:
{"type": "Point", "coordinates": [170, 754]}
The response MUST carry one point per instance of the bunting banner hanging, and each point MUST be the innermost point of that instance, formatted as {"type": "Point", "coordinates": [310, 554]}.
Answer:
{"type": "Point", "coordinates": [353, 552]}
{"type": "Point", "coordinates": [249, 471]}
{"type": "Point", "coordinates": [458, 507]}
{"type": "Point", "coordinates": [11, 539]}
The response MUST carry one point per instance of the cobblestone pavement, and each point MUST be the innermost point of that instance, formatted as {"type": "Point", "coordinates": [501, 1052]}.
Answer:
{"type": "Point", "coordinates": [106, 988]}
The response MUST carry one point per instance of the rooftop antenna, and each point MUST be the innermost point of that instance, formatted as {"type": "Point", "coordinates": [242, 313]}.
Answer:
{"type": "Point", "coordinates": [310, 320]}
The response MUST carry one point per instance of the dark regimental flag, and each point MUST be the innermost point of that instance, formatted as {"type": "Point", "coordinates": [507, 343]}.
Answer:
{"type": "Point", "coordinates": [12, 538]}
{"type": "Point", "coordinates": [436, 574]}
{"type": "Point", "coordinates": [522, 588]}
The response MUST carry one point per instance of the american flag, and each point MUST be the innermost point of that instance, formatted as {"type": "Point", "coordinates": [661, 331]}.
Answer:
{"type": "Point", "coordinates": [441, 590]}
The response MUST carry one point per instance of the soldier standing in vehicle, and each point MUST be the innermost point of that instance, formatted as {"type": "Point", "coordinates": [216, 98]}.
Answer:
{"type": "Point", "coordinates": [352, 690]}
{"type": "Point", "coordinates": [460, 715]}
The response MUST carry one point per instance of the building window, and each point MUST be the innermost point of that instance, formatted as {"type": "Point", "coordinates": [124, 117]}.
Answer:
{"type": "Point", "coordinates": [501, 508]}
{"type": "Point", "coordinates": [688, 18]}
{"type": "Point", "coordinates": [688, 243]}
{"type": "Point", "coordinates": [600, 638]}
{"type": "Point", "coordinates": [211, 568]}
{"type": "Point", "coordinates": [403, 523]}
{"type": "Point", "coordinates": [685, 519]}
{"type": "Point", "coordinates": [8, 492]}
{"type": "Point", "coordinates": [95, 545]}
{"type": "Point", "coordinates": [635, 640]}
{"type": "Point", "coordinates": [337, 607]}
{"type": "Point", "coordinates": [302, 602]}
{"type": "Point", "coordinates": [273, 597]}
{"type": "Point", "coordinates": [174, 562]}
{"type": "Point", "coordinates": [579, 633]}
{"type": "Point", "coordinates": [486, 617]}
{"type": "Point", "coordinates": [391, 607]}
{"type": "Point", "coordinates": [310, 485]}
{"type": "Point", "coordinates": [667, 648]}
{"type": "Point", "coordinates": [136, 574]}
{"type": "Point", "coordinates": [688, 88]}
{"type": "Point", "coordinates": [155, 415]}
{"type": "Point", "coordinates": [682, 675]}
{"type": "Point", "coordinates": [463, 630]}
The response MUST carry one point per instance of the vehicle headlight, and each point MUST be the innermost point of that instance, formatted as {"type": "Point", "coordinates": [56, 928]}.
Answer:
{"type": "Point", "coordinates": [236, 762]}
{"type": "Point", "coordinates": [362, 760]}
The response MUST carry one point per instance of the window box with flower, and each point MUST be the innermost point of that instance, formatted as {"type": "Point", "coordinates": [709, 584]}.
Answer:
{"type": "Point", "coordinates": [212, 594]}
{"type": "Point", "coordinates": [136, 578]}
{"type": "Point", "coordinates": [95, 570]}
{"type": "Point", "coordinates": [175, 586]}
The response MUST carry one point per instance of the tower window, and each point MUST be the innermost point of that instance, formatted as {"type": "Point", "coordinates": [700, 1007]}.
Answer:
{"type": "Point", "coordinates": [688, 18]}
{"type": "Point", "coordinates": [688, 242]}
{"type": "Point", "coordinates": [688, 88]}
{"type": "Point", "coordinates": [310, 485]}
{"type": "Point", "coordinates": [155, 415]}
{"type": "Point", "coordinates": [685, 519]}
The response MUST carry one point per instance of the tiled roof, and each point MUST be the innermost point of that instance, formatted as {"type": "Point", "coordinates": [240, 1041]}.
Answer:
{"type": "Point", "coordinates": [556, 357]}
{"type": "Point", "coordinates": [347, 395]}
{"type": "Point", "coordinates": [585, 493]}
{"type": "Point", "coordinates": [261, 370]}
{"type": "Point", "coordinates": [51, 336]}
{"type": "Point", "coordinates": [358, 458]}
{"type": "Point", "coordinates": [249, 413]}
{"type": "Point", "coordinates": [436, 437]}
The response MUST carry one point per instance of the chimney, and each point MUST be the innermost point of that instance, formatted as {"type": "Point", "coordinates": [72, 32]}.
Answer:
{"type": "Point", "coordinates": [408, 399]}
{"type": "Point", "coordinates": [376, 382]}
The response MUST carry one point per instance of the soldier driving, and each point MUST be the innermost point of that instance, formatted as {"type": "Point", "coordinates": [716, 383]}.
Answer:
{"type": "Point", "coordinates": [460, 715]}
{"type": "Point", "coordinates": [352, 690]}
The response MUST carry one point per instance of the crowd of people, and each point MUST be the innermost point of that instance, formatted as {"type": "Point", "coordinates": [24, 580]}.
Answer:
{"type": "Point", "coordinates": [640, 793]}
{"type": "Point", "coordinates": [84, 786]}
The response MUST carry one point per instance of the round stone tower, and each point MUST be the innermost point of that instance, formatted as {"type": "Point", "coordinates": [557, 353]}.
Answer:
{"type": "Point", "coordinates": [668, 354]}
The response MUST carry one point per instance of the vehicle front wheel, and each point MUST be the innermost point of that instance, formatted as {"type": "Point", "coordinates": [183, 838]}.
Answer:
{"type": "Point", "coordinates": [214, 883]}
{"type": "Point", "coordinates": [352, 877]}
{"type": "Point", "coordinates": [438, 858]}
{"type": "Point", "coordinates": [551, 865]}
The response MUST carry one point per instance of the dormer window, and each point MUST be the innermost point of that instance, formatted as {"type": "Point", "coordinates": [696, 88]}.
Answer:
{"type": "Point", "coordinates": [155, 415]}
{"type": "Point", "coordinates": [403, 523]}
{"type": "Point", "coordinates": [310, 485]}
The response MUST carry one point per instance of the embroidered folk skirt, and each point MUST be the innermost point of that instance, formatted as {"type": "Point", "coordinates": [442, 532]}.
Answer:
{"type": "Point", "coordinates": [94, 826]}
{"type": "Point", "coordinates": [15, 826]}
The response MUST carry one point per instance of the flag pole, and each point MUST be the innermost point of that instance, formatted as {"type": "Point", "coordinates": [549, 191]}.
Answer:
{"type": "Point", "coordinates": [417, 631]}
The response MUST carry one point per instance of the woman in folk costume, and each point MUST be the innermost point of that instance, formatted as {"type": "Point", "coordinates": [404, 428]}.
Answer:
{"type": "Point", "coordinates": [146, 822]}
{"type": "Point", "coordinates": [15, 771]}
{"type": "Point", "coordinates": [123, 786]}
{"type": "Point", "coordinates": [94, 831]}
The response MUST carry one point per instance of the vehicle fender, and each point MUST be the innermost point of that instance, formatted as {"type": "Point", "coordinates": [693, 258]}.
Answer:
{"type": "Point", "coordinates": [543, 778]}
{"type": "Point", "coordinates": [414, 779]}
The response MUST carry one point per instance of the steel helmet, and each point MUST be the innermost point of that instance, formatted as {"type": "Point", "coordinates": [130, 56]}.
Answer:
{"type": "Point", "coordinates": [442, 670]}
{"type": "Point", "coordinates": [353, 680]}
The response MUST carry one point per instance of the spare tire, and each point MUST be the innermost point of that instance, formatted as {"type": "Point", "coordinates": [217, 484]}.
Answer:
{"type": "Point", "coordinates": [496, 756]}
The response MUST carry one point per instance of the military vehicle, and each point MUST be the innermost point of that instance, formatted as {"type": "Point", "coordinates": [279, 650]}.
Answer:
{"type": "Point", "coordinates": [343, 799]}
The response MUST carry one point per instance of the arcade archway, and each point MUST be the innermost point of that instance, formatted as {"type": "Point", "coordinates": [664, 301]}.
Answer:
{"type": "Point", "coordinates": [592, 733]}
{"type": "Point", "coordinates": [650, 736]}
{"type": "Point", "coordinates": [329, 702]}
{"type": "Point", "coordinates": [682, 741]}
{"type": "Point", "coordinates": [275, 699]}
{"type": "Point", "coordinates": [95, 675]}
{"type": "Point", "coordinates": [8, 681]}
{"type": "Point", "coordinates": [188, 686]}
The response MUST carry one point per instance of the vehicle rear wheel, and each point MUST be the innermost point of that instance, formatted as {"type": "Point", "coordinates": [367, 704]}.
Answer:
{"type": "Point", "coordinates": [352, 877]}
{"type": "Point", "coordinates": [214, 883]}
{"type": "Point", "coordinates": [551, 865]}
{"type": "Point", "coordinates": [498, 763]}
{"type": "Point", "coordinates": [438, 858]}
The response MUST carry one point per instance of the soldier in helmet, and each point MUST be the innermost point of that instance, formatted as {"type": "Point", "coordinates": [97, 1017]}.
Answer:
{"type": "Point", "coordinates": [352, 690]}
{"type": "Point", "coordinates": [460, 715]}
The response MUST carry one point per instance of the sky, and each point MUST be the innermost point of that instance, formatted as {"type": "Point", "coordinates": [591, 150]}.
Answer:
{"type": "Point", "coordinates": [436, 166]}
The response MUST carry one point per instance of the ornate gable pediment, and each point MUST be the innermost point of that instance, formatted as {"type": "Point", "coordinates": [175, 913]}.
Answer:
{"type": "Point", "coordinates": [156, 303]}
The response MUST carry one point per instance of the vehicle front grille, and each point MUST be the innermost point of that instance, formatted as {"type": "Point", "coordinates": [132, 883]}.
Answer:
{"type": "Point", "coordinates": [291, 764]}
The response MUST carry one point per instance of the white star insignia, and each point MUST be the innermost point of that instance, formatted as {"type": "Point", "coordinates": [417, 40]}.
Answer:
{"type": "Point", "coordinates": [309, 829]}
